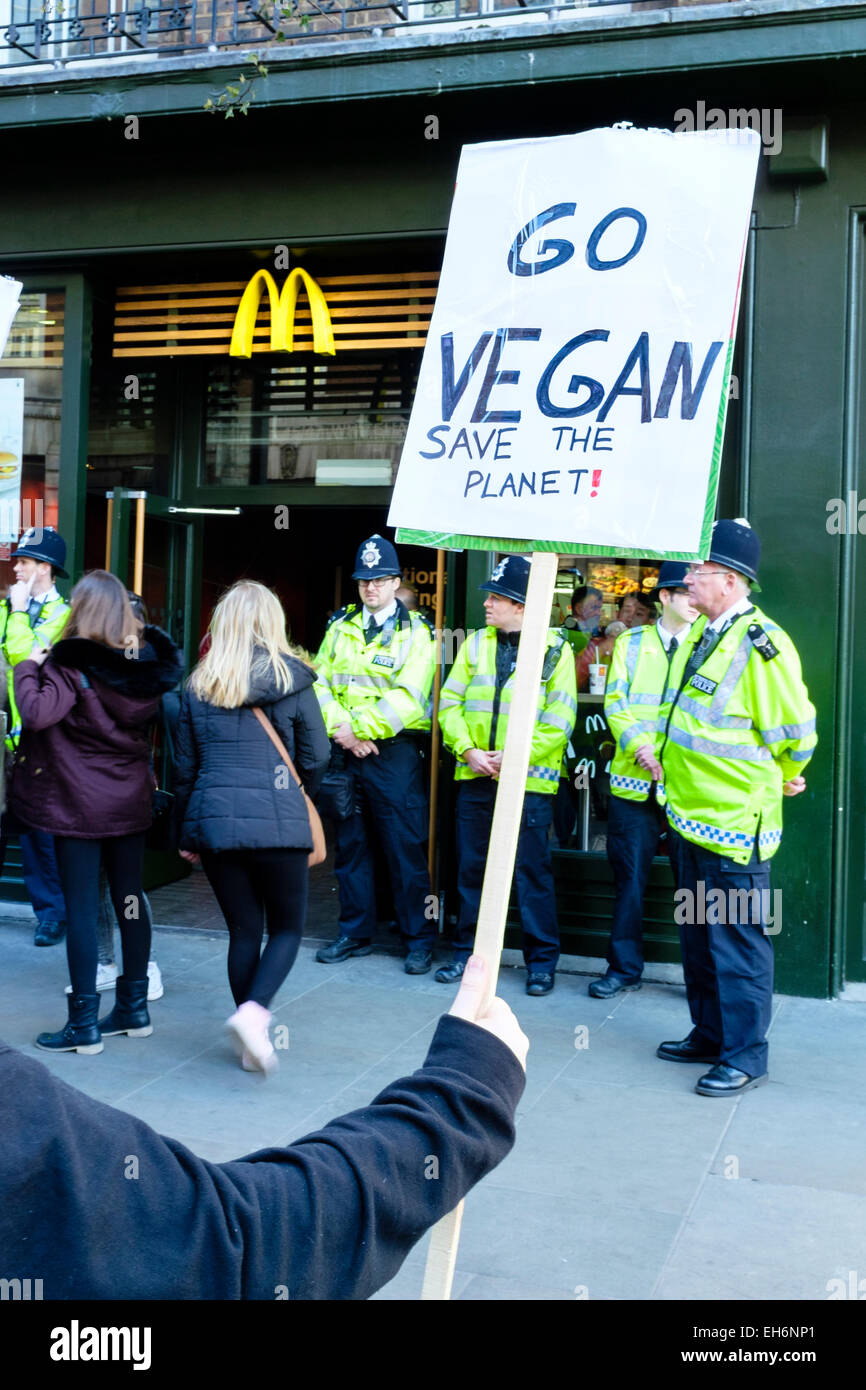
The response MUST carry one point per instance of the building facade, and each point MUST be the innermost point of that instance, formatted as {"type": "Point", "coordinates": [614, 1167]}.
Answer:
{"type": "Point", "coordinates": [137, 218]}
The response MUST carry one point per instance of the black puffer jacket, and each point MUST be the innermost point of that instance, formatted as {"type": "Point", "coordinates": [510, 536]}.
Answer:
{"type": "Point", "coordinates": [231, 792]}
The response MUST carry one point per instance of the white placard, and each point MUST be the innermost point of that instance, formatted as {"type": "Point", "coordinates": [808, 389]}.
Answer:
{"type": "Point", "coordinates": [575, 378]}
{"type": "Point", "coordinates": [11, 453]}
{"type": "Point", "coordinates": [10, 291]}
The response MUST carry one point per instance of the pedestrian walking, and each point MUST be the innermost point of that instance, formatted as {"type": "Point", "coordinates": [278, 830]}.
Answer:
{"type": "Point", "coordinates": [32, 616]}
{"type": "Point", "coordinates": [238, 806]}
{"type": "Point", "coordinates": [740, 731]}
{"type": "Point", "coordinates": [647, 662]}
{"type": "Point", "coordinates": [83, 775]}
{"type": "Point", "coordinates": [473, 715]}
{"type": "Point", "coordinates": [374, 674]}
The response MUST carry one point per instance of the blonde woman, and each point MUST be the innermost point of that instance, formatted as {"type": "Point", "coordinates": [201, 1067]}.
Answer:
{"type": "Point", "coordinates": [239, 810]}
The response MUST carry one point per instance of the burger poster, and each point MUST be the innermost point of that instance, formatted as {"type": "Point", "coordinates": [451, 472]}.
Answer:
{"type": "Point", "coordinates": [11, 450]}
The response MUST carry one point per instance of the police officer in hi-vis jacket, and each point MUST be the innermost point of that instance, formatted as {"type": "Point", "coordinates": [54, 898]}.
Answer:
{"type": "Point", "coordinates": [473, 714]}
{"type": "Point", "coordinates": [645, 670]}
{"type": "Point", "coordinates": [32, 617]}
{"type": "Point", "coordinates": [374, 676]}
{"type": "Point", "coordinates": [739, 733]}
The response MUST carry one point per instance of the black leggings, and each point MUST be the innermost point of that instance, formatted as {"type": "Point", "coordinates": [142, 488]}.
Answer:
{"type": "Point", "coordinates": [78, 866]}
{"type": "Point", "coordinates": [251, 886]}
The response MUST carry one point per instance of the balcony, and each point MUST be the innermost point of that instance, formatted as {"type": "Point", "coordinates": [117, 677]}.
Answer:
{"type": "Point", "coordinates": [57, 33]}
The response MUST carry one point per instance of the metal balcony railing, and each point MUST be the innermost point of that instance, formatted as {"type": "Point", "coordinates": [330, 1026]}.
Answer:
{"type": "Point", "coordinates": [70, 31]}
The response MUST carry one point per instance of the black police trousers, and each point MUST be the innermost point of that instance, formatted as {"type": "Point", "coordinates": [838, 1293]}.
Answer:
{"type": "Point", "coordinates": [390, 802]}
{"type": "Point", "coordinates": [533, 874]}
{"type": "Point", "coordinates": [727, 954]}
{"type": "Point", "coordinates": [633, 829]}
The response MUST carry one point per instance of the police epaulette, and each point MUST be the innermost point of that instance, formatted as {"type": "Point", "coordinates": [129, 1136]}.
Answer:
{"type": "Point", "coordinates": [761, 642]}
{"type": "Point", "coordinates": [345, 612]}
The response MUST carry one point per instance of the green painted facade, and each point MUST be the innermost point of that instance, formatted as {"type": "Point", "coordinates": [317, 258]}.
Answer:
{"type": "Point", "coordinates": [333, 156]}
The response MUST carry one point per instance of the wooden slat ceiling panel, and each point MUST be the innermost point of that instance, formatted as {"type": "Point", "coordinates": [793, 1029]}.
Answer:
{"type": "Point", "coordinates": [367, 312]}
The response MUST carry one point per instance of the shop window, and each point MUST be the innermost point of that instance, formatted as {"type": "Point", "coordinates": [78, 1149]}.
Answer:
{"type": "Point", "coordinates": [581, 811]}
{"type": "Point", "coordinates": [131, 420]}
{"type": "Point", "coordinates": [30, 419]}
{"type": "Point", "coordinates": [334, 422]}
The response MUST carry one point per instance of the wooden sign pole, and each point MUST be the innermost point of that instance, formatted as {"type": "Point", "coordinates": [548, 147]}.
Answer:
{"type": "Point", "coordinates": [501, 853]}
{"type": "Point", "coordinates": [439, 613]}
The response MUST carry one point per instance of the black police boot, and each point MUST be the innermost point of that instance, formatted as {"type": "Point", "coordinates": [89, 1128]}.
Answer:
{"type": "Point", "coordinates": [539, 982]}
{"type": "Point", "coordinates": [129, 1014]}
{"type": "Point", "coordinates": [49, 933]}
{"type": "Point", "coordinates": [451, 973]}
{"type": "Point", "coordinates": [419, 961]}
{"type": "Point", "coordinates": [609, 985]}
{"type": "Point", "coordinates": [81, 1033]}
{"type": "Point", "coordinates": [342, 949]}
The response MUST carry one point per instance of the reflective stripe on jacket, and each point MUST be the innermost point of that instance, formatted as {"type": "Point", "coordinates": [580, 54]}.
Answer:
{"type": "Point", "coordinates": [640, 686]}
{"type": "Point", "coordinates": [380, 687]}
{"type": "Point", "coordinates": [17, 642]}
{"type": "Point", "coordinates": [734, 738]}
{"type": "Point", "coordinates": [466, 708]}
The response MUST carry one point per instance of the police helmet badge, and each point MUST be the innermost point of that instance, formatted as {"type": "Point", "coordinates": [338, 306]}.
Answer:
{"type": "Point", "coordinates": [371, 555]}
{"type": "Point", "coordinates": [499, 572]}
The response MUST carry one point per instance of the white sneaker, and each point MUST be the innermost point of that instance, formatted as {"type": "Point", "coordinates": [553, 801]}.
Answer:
{"type": "Point", "coordinates": [248, 1030]}
{"type": "Point", "coordinates": [154, 982]}
{"type": "Point", "coordinates": [106, 978]}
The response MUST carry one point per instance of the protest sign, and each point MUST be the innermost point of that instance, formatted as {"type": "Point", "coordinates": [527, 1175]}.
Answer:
{"type": "Point", "coordinates": [575, 379]}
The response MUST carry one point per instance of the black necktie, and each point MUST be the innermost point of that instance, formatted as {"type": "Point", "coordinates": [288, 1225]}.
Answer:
{"type": "Point", "coordinates": [371, 631]}
{"type": "Point", "coordinates": [671, 649]}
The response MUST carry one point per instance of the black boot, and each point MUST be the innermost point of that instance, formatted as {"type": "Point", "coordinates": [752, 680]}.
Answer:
{"type": "Point", "coordinates": [129, 1014]}
{"type": "Point", "coordinates": [81, 1033]}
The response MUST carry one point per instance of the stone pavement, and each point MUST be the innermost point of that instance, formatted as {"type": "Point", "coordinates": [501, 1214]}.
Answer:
{"type": "Point", "coordinates": [623, 1183]}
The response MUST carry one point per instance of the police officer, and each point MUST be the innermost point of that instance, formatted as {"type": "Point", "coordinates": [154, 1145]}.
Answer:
{"type": "Point", "coordinates": [374, 676]}
{"type": "Point", "coordinates": [32, 616]}
{"type": "Point", "coordinates": [473, 714]}
{"type": "Point", "coordinates": [740, 731]}
{"type": "Point", "coordinates": [646, 662]}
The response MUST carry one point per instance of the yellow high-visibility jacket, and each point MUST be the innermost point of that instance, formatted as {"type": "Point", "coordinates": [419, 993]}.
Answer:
{"type": "Point", "coordinates": [472, 714]}
{"type": "Point", "coordinates": [17, 640]}
{"type": "Point", "coordinates": [641, 683]}
{"type": "Point", "coordinates": [742, 726]}
{"type": "Point", "coordinates": [381, 687]}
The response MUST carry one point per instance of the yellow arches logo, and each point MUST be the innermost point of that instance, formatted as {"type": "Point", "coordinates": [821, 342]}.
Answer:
{"type": "Point", "coordinates": [283, 307]}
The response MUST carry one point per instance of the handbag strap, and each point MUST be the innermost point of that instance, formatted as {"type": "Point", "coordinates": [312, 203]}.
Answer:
{"type": "Point", "coordinates": [277, 742]}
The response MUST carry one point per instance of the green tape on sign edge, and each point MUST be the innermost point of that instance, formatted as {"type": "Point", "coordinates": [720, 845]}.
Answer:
{"type": "Point", "coordinates": [439, 540]}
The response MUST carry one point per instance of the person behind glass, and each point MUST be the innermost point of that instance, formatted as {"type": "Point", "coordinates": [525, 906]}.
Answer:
{"type": "Point", "coordinates": [83, 774]}
{"type": "Point", "coordinates": [586, 606]}
{"type": "Point", "coordinates": [237, 805]}
{"type": "Point", "coordinates": [646, 667]}
{"type": "Point", "coordinates": [635, 610]}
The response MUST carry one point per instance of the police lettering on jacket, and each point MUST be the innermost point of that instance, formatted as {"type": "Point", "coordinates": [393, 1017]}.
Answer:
{"type": "Point", "coordinates": [380, 687]}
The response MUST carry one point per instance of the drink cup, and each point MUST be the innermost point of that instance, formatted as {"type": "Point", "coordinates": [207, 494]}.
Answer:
{"type": "Point", "coordinates": [597, 678]}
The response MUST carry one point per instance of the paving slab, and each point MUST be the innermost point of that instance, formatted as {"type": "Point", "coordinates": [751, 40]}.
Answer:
{"type": "Point", "coordinates": [756, 1240]}
{"type": "Point", "coordinates": [618, 1186]}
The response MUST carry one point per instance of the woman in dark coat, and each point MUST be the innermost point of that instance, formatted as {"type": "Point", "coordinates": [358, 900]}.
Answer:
{"type": "Point", "coordinates": [83, 773]}
{"type": "Point", "coordinates": [239, 809]}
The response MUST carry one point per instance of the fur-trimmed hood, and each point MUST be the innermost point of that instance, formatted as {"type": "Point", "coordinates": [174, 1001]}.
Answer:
{"type": "Point", "coordinates": [156, 667]}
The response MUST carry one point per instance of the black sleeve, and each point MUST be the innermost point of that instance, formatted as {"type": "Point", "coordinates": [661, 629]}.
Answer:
{"type": "Point", "coordinates": [310, 738]}
{"type": "Point", "coordinates": [332, 1216]}
{"type": "Point", "coordinates": [185, 762]}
